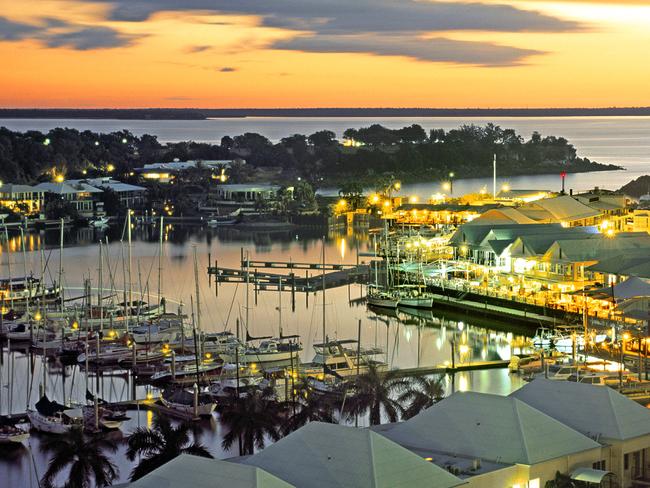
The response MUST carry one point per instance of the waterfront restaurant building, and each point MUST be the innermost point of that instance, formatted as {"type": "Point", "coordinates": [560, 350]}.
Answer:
{"type": "Point", "coordinates": [321, 455]}
{"type": "Point", "coordinates": [527, 446]}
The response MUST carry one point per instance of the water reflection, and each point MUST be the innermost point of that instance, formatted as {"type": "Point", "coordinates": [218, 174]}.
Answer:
{"type": "Point", "coordinates": [410, 338]}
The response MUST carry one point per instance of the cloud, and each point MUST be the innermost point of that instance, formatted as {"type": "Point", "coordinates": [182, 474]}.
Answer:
{"type": "Point", "coordinates": [15, 31]}
{"type": "Point", "coordinates": [54, 32]}
{"type": "Point", "coordinates": [360, 16]}
{"type": "Point", "coordinates": [381, 27]}
{"type": "Point", "coordinates": [198, 49]}
{"type": "Point", "coordinates": [227, 69]}
{"type": "Point", "coordinates": [433, 50]}
{"type": "Point", "coordinates": [86, 38]}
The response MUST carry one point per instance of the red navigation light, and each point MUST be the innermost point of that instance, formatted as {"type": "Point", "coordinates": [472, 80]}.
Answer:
{"type": "Point", "coordinates": [563, 174]}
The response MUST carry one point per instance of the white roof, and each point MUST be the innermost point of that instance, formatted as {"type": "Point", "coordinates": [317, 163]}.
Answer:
{"type": "Point", "coordinates": [593, 410]}
{"type": "Point", "coordinates": [13, 188]}
{"type": "Point", "coordinates": [108, 183]}
{"type": "Point", "coordinates": [492, 427]}
{"type": "Point", "coordinates": [323, 455]}
{"type": "Point", "coordinates": [558, 208]}
{"type": "Point", "coordinates": [66, 188]}
{"type": "Point", "coordinates": [249, 187]}
{"type": "Point", "coordinates": [183, 165]}
{"type": "Point", "coordinates": [198, 472]}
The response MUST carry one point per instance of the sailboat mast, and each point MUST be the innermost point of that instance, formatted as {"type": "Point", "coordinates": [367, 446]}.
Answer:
{"type": "Point", "coordinates": [28, 287]}
{"type": "Point", "coordinates": [198, 296]}
{"type": "Point", "coordinates": [128, 233]}
{"type": "Point", "coordinates": [160, 256]}
{"type": "Point", "coordinates": [61, 266]}
{"type": "Point", "coordinates": [247, 292]}
{"type": "Point", "coordinates": [323, 278]}
{"type": "Point", "coordinates": [11, 286]}
{"type": "Point", "coordinates": [280, 306]}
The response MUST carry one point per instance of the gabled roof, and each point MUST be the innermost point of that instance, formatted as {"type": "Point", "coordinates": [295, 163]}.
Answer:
{"type": "Point", "coordinates": [505, 215]}
{"type": "Point", "coordinates": [561, 208]}
{"type": "Point", "coordinates": [198, 472]}
{"type": "Point", "coordinates": [323, 455]}
{"type": "Point", "coordinates": [636, 263]}
{"type": "Point", "coordinates": [475, 235]}
{"type": "Point", "coordinates": [633, 287]}
{"type": "Point", "coordinates": [538, 244]}
{"type": "Point", "coordinates": [592, 410]}
{"type": "Point", "coordinates": [492, 427]}
{"type": "Point", "coordinates": [65, 188]}
{"type": "Point", "coordinates": [599, 248]}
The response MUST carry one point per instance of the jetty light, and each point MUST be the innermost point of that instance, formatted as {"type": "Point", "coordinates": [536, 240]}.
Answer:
{"type": "Point", "coordinates": [413, 199]}
{"type": "Point", "coordinates": [505, 187]}
{"type": "Point", "coordinates": [610, 233]}
{"type": "Point", "coordinates": [463, 349]}
{"type": "Point", "coordinates": [397, 185]}
{"type": "Point", "coordinates": [37, 316]}
{"type": "Point", "coordinates": [375, 198]}
{"type": "Point", "coordinates": [59, 178]}
{"type": "Point", "coordinates": [110, 168]}
{"type": "Point", "coordinates": [446, 186]}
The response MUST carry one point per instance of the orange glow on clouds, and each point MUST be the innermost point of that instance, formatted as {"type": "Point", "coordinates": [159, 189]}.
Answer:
{"type": "Point", "coordinates": [201, 59]}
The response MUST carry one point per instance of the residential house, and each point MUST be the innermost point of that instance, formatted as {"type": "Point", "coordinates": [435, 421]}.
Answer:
{"type": "Point", "coordinates": [81, 196]}
{"type": "Point", "coordinates": [25, 199]}
{"type": "Point", "coordinates": [247, 192]}
{"type": "Point", "coordinates": [620, 425]}
{"type": "Point", "coordinates": [130, 196]}
{"type": "Point", "coordinates": [167, 172]}
{"type": "Point", "coordinates": [528, 446]}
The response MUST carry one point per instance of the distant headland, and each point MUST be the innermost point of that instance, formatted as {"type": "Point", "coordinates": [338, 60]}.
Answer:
{"type": "Point", "coordinates": [205, 113]}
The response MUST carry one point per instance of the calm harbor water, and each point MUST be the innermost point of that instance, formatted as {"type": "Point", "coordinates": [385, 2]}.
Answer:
{"type": "Point", "coordinates": [624, 141]}
{"type": "Point", "coordinates": [408, 340]}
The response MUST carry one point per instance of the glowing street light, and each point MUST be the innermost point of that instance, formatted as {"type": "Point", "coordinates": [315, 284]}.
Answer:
{"type": "Point", "coordinates": [446, 186]}
{"type": "Point", "coordinates": [505, 187]}
{"type": "Point", "coordinates": [47, 141]}
{"type": "Point", "coordinates": [451, 182]}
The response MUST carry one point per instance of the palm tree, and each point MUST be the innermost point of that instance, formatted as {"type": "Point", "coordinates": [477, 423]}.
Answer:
{"type": "Point", "coordinates": [423, 393]}
{"type": "Point", "coordinates": [561, 481]}
{"type": "Point", "coordinates": [160, 445]}
{"type": "Point", "coordinates": [309, 406]}
{"type": "Point", "coordinates": [250, 419]}
{"type": "Point", "coordinates": [373, 392]}
{"type": "Point", "coordinates": [86, 458]}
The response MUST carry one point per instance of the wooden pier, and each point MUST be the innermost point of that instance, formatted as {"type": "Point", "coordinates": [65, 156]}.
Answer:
{"type": "Point", "coordinates": [266, 281]}
{"type": "Point", "coordinates": [449, 369]}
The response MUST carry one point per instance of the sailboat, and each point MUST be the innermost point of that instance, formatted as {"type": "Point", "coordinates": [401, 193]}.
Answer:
{"type": "Point", "coordinates": [54, 418]}
{"type": "Point", "coordinates": [269, 349]}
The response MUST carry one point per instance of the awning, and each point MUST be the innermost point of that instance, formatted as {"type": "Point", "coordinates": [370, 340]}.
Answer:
{"type": "Point", "coordinates": [589, 475]}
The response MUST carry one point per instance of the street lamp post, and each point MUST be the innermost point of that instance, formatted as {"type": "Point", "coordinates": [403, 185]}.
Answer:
{"type": "Point", "coordinates": [451, 183]}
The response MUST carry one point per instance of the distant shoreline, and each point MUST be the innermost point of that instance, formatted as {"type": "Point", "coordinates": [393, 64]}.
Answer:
{"type": "Point", "coordinates": [204, 114]}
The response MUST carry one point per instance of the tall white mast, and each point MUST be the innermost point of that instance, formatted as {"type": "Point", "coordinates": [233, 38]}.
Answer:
{"type": "Point", "coordinates": [160, 256]}
{"type": "Point", "coordinates": [494, 176]}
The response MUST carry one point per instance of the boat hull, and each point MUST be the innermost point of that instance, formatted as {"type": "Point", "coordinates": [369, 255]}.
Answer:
{"type": "Point", "coordinates": [49, 425]}
{"type": "Point", "coordinates": [416, 302]}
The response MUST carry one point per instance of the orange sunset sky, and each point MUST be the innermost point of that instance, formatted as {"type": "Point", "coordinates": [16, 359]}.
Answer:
{"type": "Point", "coordinates": [324, 53]}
